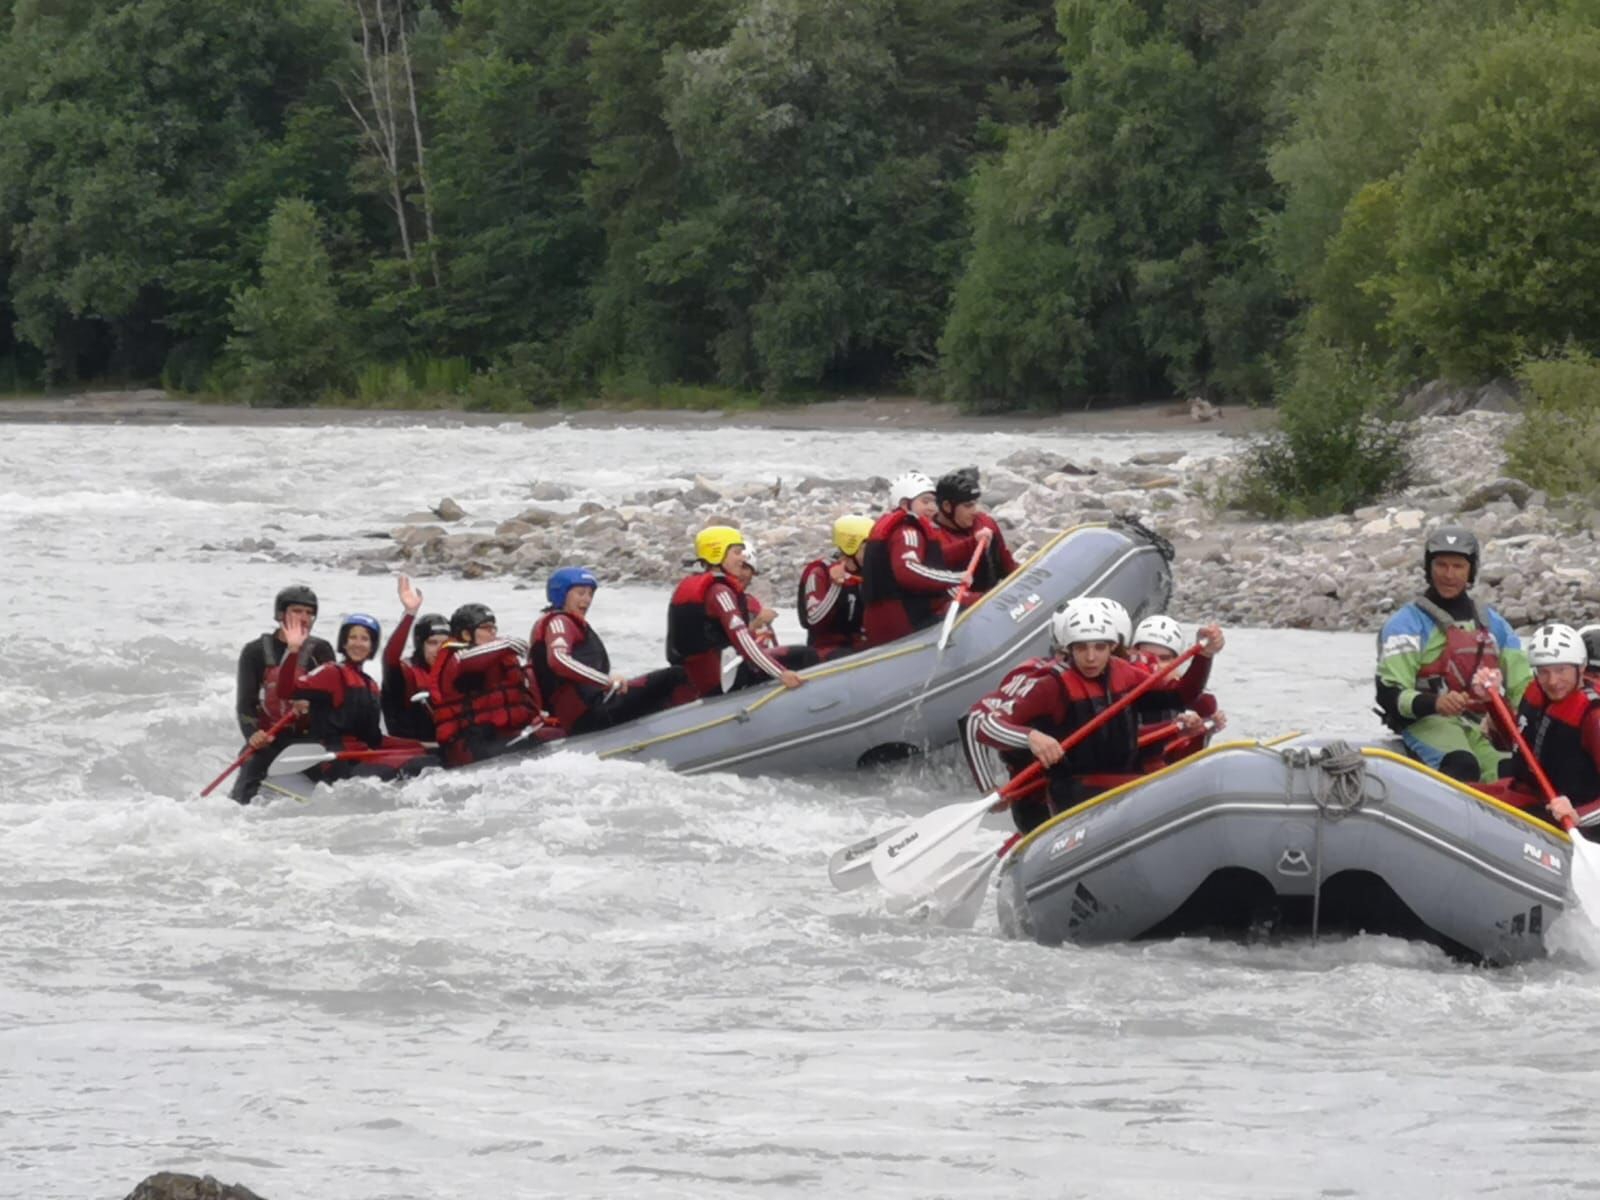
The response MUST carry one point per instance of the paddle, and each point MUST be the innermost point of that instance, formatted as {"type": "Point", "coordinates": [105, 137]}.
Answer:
{"type": "Point", "coordinates": [249, 752]}
{"type": "Point", "coordinates": [923, 850]}
{"type": "Point", "coordinates": [1585, 854]}
{"type": "Point", "coordinates": [310, 754]}
{"type": "Point", "coordinates": [851, 866]}
{"type": "Point", "coordinates": [965, 590]}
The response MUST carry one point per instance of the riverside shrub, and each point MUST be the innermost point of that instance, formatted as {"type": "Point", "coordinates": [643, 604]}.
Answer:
{"type": "Point", "coordinates": [1556, 445]}
{"type": "Point", "coordinates": [1337, 446]}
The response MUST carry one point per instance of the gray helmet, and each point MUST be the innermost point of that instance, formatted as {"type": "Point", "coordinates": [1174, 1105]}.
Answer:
{"type": "Point", "coordinates": [1451, 539]}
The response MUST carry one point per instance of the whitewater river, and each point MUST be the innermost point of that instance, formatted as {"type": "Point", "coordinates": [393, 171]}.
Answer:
{"type": "Point", "coordinates": [573, 978]}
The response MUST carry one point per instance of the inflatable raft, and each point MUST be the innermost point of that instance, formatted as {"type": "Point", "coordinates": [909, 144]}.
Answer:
{"type": "Point", "coordinates": [896, 700]}
{"type": "Point", "coordinates": [902, 698]}
{"type": "Point", "coordinates": [1294, 835]}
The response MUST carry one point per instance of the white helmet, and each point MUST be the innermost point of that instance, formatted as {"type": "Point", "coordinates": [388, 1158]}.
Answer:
{"type": "Point", "coordinates": [1084, 619]}
{"type": "Point", "coordinates": [1591, 640]}
{"type": "Point", "coordinates": [909, 486]}
{"type": "Point", "coordinates": [1159, 631]}
{"type": "Point", "coordinates": [750, 555]}
{"type": "Point", "coordinates": [1557, 646]}
{"type": "Point", "coordinates": [1120, 620]}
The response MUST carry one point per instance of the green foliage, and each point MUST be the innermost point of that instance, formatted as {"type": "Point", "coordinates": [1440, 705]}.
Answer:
{"type": "Point", "coordinates": [1337, 447]}
{"type": "Point", "coordinates": [1114, 254]}
{"type": "Point", "coordinates": [1497, 243]}
{"type": "Point", "coordinates": [1017, 202]}
{"type": "Point", "coordinates": [125, 129]}
{"type": "Point", "coordinates": [1556, 444]}
{"type": "Point", "coordinates": [288, 332]}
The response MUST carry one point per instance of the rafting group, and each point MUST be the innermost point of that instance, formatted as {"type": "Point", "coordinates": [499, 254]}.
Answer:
{"type": "Point", "coordinates": [464, 693]}
{"type": "Point", "coordinates": [454, 691]}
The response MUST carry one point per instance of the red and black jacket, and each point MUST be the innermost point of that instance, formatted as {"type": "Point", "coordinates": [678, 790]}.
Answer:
{"type": "Point", "coordinates": [1565, 738]}
{"type": "Point", "coordinates": [404, 679]}
{"type": "Point", "coordinates": [704, 616]}
{"type": "Point", "coordinates": [570, 664]}
{"type": "Point", "coordinates": [957, 546]}
{"type": "Point", "coordinates": [483, 687]}
{"type": "Point", "coordinates": [900, 596]}
{"type": "Point", "coordinates": [260, 702]}
{"type": "Point", "coordinates": [345, 705]}
{"type": "Point", "coordinates": [830, 612]}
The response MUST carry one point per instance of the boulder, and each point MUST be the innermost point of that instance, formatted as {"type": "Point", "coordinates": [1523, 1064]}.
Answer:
{"type": "Point", "coordinates": [1158, 458]}
{"type": "Point", "coordinates": [548, 490]}
{"type": "Point", "coordinates": [1409, 519]}
{"type": "Point", "coordinates": [409, 537]}
{"type": "Point", "coordinates": [448, 510]}
{"type": "Point", "coordinates": [169, 1185]}
{"type": "Point", "coordinates": [701, 494]}
{"type": "Point", "coordinates": [543, 517]}
{"type": "Point", "coordinates": [1514, 490]}
{"type": "Point", "coordinates": [1201, 409]}
{"type": "Point", "coordinates": [1038, 463]}
{"type": "Point", "coordinates": [596, 523]}
{"type": "Point", "coordinates": [854, 486]}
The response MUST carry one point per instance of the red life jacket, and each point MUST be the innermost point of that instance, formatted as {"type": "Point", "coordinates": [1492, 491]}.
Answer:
{"type": "Point", "coordinates": [880, 590]}
{"type": "Point", "coordinates": [1465, 650]}
{"type": "Point", "coordinates": [1555, 735]}
{"type": "Point", "coordinates": [405, 717]}
{"type": "Point", "coordinates": [496, 697]}
{"type": "Point", "coordinates": [352, 710]}
{"type": "Point", "coordinates": [270, 706]}
{"type": "Point", "coordinates": [841, 626]}
{"type": "Point", "coordinates": [1114, 747]}
{"type": "Point", "coordinates": [695, 639]}
{"type": "Point", "coordinates": [568, 699]}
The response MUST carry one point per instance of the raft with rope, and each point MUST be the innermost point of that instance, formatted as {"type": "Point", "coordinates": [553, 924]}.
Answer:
{"type": "Point", "coordinates": [903, 698]}
{"type": "Point", "coordinates": [1299, 835]}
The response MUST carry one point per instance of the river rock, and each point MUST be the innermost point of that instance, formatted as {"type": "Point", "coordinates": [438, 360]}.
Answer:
{"type": "Point", "coordinates": [408, 537]}
{"type": "Point", "coordinates": [448, 510]}
{"type": "Point", "coordinates": [543, 517]}
{"type": "Point", "coordinates": [1513, 490]}
{"type": "Point", "coordinates": [169, 1185]}
{"type": "Point", "coordinates": [1038, 463]}
{"type": "Point", "coordinates": [1158, 458]}
{"type": "Point", "coordinates": [548, 490]}
{"type": "Point", "coordinates": [1201, 409]}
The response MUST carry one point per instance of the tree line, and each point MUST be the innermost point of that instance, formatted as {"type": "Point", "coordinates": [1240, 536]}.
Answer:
{"type": "Point", "coordinates": [1005, 202]}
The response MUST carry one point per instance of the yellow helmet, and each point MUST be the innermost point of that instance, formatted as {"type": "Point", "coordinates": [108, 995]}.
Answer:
{"type": "Point", "coordinates": [711, 543]}
{"type": "Point", "coordinates": [849, 532]}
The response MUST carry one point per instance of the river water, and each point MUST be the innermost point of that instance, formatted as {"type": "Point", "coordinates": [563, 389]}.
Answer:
{"type": "Point", "coordinates": [576, 978]}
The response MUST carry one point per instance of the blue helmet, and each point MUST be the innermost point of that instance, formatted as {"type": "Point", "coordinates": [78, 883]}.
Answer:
{"type": "Point", "coordinates": [370, 624]}
{"type": "Point", "coordinates": [564, 579]}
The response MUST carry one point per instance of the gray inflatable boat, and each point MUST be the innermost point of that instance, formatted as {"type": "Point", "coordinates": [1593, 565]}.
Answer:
{"type": "Point", "coordinates": [1293, 835]}
{"type": "Point", "coordinates": [902, 698]}
{"type": "Point", "coordinates": [896, 700]}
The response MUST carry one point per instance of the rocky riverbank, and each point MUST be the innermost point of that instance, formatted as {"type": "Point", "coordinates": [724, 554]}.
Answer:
{"type": "Point", "coordinates": [1339, 573]}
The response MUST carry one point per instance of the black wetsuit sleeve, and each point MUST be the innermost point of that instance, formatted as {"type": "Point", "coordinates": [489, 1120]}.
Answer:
{"type": "Point", "coordinates": [1389, 702]}
{"type": "Point", "coordinates": [251, 670]}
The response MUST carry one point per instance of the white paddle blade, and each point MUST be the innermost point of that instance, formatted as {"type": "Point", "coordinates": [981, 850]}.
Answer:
{"type": "Point", "coordinates": [949, 623]}
{"type": "Point", "coordinates": [1586, 876]}
{"type": "Point", "coordinates": [925, 850]}
{"type": "Point", "coordinates": [299, 758]}
{"type": "Point", "coordinates": [851, 867]}
{"type": "Point", "coordinates": [961, 900]}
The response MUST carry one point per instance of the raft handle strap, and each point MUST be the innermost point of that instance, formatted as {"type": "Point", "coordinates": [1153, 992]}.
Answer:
{"type": "Point", "coordinates": [1339, 787]}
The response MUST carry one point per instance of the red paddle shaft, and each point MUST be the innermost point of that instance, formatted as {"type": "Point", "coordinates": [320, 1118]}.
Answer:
{"type": "Point", "coordinates": [271, 731]}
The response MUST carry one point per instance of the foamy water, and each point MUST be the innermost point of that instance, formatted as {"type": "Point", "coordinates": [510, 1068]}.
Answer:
{"type": "Point", "coordinates": [568, 977]}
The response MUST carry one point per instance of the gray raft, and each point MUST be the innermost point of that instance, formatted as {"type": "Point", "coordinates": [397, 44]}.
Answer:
{"type": "Point", "coordinates": [902, 698]}
{"type": "Point", "coordinates": [1294, 834]}
{"type": "Point", "coordinates": [896, 700]}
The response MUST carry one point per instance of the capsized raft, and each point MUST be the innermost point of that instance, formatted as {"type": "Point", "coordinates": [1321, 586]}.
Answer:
{"type": "Point", "coordinates": [904, 697]}
{"type": "Point", "coordinates": [1286, 835]}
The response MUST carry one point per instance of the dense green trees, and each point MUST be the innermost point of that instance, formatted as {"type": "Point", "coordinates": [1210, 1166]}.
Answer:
{"type": "Point", "coordinates": [1010, 201]}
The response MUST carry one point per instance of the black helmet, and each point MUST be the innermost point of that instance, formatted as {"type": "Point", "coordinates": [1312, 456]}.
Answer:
{"type": "Point", "coordinates": [1451, 539]}
{"type": "Point", "coordinates": [958, 487]}
{"type": "Point", "coordinates": [428, 625]}
{"type": "Point", "coordinates": [295, 593]}
{"type": "Point", "coordinates": [468, 617]}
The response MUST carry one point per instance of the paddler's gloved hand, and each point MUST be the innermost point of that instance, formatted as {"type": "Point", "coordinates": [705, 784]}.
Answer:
{"type": "Point", "coordinates": [1561, 809]}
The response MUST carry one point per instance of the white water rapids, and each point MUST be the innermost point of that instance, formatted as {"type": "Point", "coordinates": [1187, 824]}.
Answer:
{"type": "Point", "coordinates": [574, 978]}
